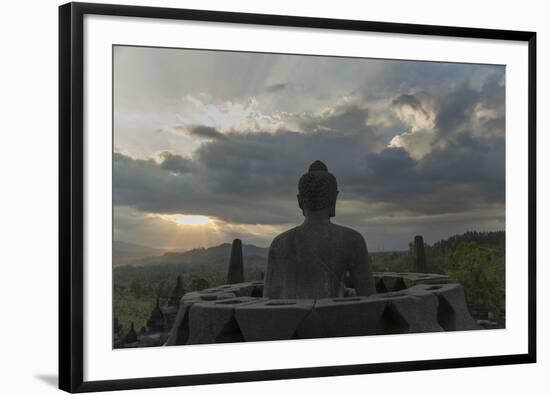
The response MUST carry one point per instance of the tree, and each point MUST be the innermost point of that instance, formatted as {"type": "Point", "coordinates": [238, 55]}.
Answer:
{"type": "Point", "coordinates": [198, 284]}
{"type": "Point", "coordinates": [481, 273]}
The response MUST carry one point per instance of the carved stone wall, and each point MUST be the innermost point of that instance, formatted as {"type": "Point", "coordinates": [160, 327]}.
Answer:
{"type": "Point", "coordinates": [404, 303]}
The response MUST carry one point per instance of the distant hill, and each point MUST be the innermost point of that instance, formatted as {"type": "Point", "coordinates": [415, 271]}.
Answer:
{"type": "Point", "coordinates": [198, 258]}
{"type": "Point", "coordinates": [126, 253]}
{"type": "Point", "coordinates": [210, 263]}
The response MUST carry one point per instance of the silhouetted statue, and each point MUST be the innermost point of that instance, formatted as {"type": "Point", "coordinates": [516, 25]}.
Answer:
{"type": "Point", "coordinates": [420, 263]}
{"type": "Point", "coordinates": [235, 273]}
{"type": "Point", "coordinates": [311, 260]}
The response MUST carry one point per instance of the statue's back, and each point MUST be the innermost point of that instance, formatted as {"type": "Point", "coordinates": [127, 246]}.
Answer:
{"type": "Point", "coordinates": [309, 262]}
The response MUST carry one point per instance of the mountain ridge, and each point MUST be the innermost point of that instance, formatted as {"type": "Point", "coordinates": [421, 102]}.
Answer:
{"type": "Point", "coordinates": [155, 256]}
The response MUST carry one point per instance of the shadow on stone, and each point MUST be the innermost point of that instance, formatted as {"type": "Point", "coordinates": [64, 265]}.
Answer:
{"type": "Point", "coordinates": [391, 322]}
{"type": "Point", "coordinates": [230, 333]}
{"type": "Point", "coordinates": [310, 328]}
{"type": "Point", "coordinates": [257, 292]}
{"type": "Point", "coordinates": [381, 287]}
{"type": "Point", "coordinates": [393, 284]}
{"type": "Point", "coordinates": [183, 331]}
{"type": "Point", "coordinates": [446, 316]}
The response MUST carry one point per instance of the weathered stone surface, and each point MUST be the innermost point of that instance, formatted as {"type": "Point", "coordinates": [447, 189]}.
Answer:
{"type": "Point", "coordinates": [169, 313]}
{"type": "Point", "coordinates": [236, 268]}
{"type": "Point", "coordinates": [354, 316]}
{"type": "Point", "coordinates": [179, 333]}
{"type": "Point", "coordinates": [191, 296]}
{"type": "Point", "coordinates": [384, 280]}
{"type": "Point", "coordinates": [408, 311]}
{"type": "Point", "coordinates": [272, 319]}
{"type": "Point", "coordinates": [430, 279]}
{"type": "Point", "coordinates": [390, 282]}
{"type": "Point", "coordinates": [430, 302]}
{"type": "Point", "coordinates": [214, 322]}
{"type": "Point", "coordinates": [253, 288]}
{"type": "Point", "coordinates": [210, 294]}
{"type": "Point", "coordinates": [310, 327]}
{"type": "Point", "coordinates": [452, 311]}
{"type": "Point", "coordinates": [180, 329]}
{"type": "Point", "coordinates": [217, 296]}
{"type": "Point", "coordinates": [176, 293]}
{"type": "Point", "coordinates": [310, 260]}
{"type": "Point", "coordinates": [425, 312]}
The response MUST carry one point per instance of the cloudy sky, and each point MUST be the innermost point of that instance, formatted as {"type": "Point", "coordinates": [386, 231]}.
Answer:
{"type": "Point", "coordinates": [209, 145]}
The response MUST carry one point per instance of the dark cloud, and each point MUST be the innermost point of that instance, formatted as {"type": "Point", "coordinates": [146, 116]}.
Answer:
{"type": "Point", "coordinates": [493, 91]}
{"type": "Point", "coordinates": [407, 100]}
{"type": "Point", "coordinates": [176, 163]}
{"type": "Point", "coordinates": [252, 178]}
{"type": "Point", "coordinates": [454, 108]}
{"type": "Point", "coordinates": [407, 76]}
{"type": "Point", "coordinates": [465, 175]}
{"type": "Point", "coordinates": [348, 119]}
{"type": "Point", "coordinates": [275, 88]}
{"type": "Point", "coordinates": [200, 131]}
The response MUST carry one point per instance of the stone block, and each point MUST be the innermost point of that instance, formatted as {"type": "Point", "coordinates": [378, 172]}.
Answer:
{"type": "Point", "coordinates": [275, 319]}
{"type": "Point", "coordinates": [393, 318]}
{"type": "Point", "coordinates": [217, 296]}
{"type": "Point", "coordinates": [353, 316]}
{"type": "Point", "coordinates": [311, 327]}
{"type": "Point", "coordinates": [214, 321]}
{"type": "Point", "coordinates": [393, 283]}
{"type": "Point", "coordinates": [408, 312]}
{"type": "Point", "coordinates": [411, 279]}
{"type": "Point", "coordinates": [180, 328]}
{"type": "Point", "coordinates": [452, 310]}
{"type": "Point", "coordinates": [422, 316]}
{"type": "Point", "coordinates": [179, 334]}
{"type": "Point", "coordinates": [240, 289]}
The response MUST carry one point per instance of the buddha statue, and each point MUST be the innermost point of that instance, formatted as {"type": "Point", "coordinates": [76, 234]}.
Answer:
{"type": "Point", "coordinates": [311, 260]}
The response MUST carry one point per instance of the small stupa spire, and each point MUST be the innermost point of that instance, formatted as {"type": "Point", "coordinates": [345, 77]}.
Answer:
{"type": "Point", "coordinates": [176, 293]}
{"type": "Point", "coordinates": [131, 336]}
{"type": "Point", "coordinates": [235, 273]}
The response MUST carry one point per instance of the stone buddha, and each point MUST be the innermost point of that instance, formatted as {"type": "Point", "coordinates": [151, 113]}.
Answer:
{"type": "Point", "coordinates": [311, 260]}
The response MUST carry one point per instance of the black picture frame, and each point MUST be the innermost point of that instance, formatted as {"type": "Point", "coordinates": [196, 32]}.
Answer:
{"type": "Point", "coordinates": [71, 204]}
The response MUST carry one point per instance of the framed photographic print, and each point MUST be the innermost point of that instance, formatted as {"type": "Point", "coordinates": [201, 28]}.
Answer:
{"type": "Point", "coordinates": [257, 197]}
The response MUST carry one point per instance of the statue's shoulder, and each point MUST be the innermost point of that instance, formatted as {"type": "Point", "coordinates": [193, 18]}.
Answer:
{"type": "Point", "coordinates": [283, 238]}
{"type": "Point", "coordinates": [349, 234]}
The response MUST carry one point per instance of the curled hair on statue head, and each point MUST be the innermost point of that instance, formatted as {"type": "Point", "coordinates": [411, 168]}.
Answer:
{"type": "Point", "coordinates": [317, 189]}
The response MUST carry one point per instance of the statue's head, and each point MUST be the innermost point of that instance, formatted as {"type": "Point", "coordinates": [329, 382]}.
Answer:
{"type": "Point", "coordinates": [317, 189]}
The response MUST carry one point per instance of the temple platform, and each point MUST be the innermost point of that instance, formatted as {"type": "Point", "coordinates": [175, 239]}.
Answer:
{"type": "Point", "coordinates": [403, 303]}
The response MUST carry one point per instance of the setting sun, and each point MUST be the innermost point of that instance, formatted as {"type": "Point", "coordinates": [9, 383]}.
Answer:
{"type": "Point", "coordinates": [190, 219]}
